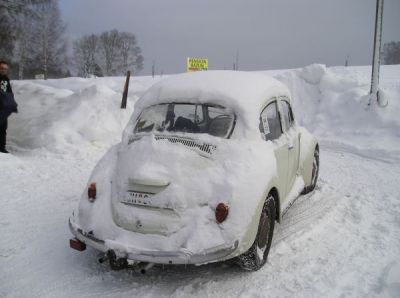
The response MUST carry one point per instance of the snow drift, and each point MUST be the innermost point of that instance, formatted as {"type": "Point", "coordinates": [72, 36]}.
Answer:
{"type": "Point", "coordinates": [62, 115]}
{"type": "Point", "coordinates": [330, 102]}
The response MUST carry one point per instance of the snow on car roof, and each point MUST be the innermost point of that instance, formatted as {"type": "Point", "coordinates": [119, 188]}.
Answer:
{"type": "Point", "coordinates": [229, 88]}
{"type": "Point", "coordinates": [243, 92]}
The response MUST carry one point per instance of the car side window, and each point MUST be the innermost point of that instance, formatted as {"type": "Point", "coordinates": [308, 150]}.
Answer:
{"type": "Point", "coordinates": [270, 124]}
{"type": "Point", "coordinates": [287, 114]}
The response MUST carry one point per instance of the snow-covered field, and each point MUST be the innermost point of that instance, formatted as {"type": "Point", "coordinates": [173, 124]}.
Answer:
{"type": "Point", "coordinates": [343, 240]}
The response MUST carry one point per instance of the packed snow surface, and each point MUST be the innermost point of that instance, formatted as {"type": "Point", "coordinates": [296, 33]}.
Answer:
{"type": "Point", "coordinates": [341, 240]}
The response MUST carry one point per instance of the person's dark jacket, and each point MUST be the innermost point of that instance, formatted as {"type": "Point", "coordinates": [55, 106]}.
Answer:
{"type": "Point", "coordinates": [5, 84]}
{"type": "Point", "coordinates": [8, 104]}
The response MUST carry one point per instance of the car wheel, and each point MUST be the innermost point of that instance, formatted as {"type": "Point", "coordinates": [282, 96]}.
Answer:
{"type": "Point", "coordinates": [256, 256]}
{"type": "Point", "coordinates": [315, 171]}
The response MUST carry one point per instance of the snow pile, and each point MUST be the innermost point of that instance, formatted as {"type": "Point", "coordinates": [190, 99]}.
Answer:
{"type": "Point", "coordinates": [64, 115]}
{"type": "Point", "coordinates": [332, 104]}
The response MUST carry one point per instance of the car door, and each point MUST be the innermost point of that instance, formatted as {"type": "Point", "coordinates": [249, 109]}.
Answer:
{"type": "Point", "coordinates": [271, 130]}
{"type": "Point", "coordinates": [292, 136]}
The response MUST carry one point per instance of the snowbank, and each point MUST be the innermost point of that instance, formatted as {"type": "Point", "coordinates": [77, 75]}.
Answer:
{"type": "Point", "coordinates": [64, 115]}
{"type": "Point", "coordinates": [332, 104]}
{"type": "Point", "coordinates": [68, 114]}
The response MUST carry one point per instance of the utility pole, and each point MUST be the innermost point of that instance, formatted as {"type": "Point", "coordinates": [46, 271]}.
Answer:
{"type": "Point", "coordinates": [374, 95]}
{"type": "Point", "coordinates": [153, 69]}
{"type": "Point", "coordinates": [237, 60]}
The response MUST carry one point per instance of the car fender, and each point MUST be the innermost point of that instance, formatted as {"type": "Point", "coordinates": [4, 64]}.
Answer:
{"type": "Point", "coordinates": [308, 143]}
{"type": "Point", "coordinates": [102, 174]}
{"type": "Point", "coordinates": [249, 237]}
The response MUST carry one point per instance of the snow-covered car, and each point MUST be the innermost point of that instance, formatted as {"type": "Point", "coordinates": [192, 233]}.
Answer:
{"type": "Point", "coordinates": [207, 164]}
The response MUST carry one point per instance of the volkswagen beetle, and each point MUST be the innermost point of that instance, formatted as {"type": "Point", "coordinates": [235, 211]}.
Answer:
{"type": "Point", "coordinates": [207, 165]}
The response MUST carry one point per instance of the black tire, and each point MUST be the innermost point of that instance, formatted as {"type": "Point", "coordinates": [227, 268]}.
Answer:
{"type": "Point", "coordinates": [256, 256]}
{"type": "Point", "coordinates": [314, 175]}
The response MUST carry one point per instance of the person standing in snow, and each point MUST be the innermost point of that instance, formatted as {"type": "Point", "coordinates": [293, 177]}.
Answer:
{"type": "Point", "coordinates": [7, 104]}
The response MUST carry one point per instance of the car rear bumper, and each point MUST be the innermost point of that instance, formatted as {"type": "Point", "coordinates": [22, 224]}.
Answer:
{"type": "Point", "coordinates": [213, 254]}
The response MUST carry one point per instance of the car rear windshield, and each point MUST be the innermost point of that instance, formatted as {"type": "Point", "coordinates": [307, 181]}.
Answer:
{"type": "Point", "coordinates": [185, 117]}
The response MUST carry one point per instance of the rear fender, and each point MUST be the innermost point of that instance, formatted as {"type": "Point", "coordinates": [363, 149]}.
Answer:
{"type": "Point", "coordinates": [248, 239]}
{"type": "Point", "coordinates": [308, 143]}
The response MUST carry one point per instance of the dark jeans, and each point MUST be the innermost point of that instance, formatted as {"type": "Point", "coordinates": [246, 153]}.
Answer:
{"type": "Point", "coordinates": [3, 134]}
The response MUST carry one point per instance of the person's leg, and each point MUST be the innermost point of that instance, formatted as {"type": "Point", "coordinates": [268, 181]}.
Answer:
{"type": "Point", "coordinates": [3, 135]}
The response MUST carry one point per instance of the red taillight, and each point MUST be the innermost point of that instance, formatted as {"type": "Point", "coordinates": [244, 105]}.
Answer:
{"type": "Point", "coordinates": [92, 192]}
{"type": "Point", "coordinates": [76, 244]}
{"type": "Point", "coordinates": [221, 212]}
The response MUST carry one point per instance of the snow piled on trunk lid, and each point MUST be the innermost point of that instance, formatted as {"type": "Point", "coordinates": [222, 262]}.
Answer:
{"type": "Point", "coordinates": [234, 174]}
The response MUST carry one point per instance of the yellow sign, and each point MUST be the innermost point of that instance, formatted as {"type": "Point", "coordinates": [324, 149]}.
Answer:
{"type": "Point", "coordinates": [196, 64]}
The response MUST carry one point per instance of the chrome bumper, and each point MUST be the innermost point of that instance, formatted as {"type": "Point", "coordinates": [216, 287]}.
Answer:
{"type": "Point", "coordinates": [214, 254]}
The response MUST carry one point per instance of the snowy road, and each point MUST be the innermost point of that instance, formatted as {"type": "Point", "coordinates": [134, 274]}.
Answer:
{"type": "Point", "coordinates": [343, 240]}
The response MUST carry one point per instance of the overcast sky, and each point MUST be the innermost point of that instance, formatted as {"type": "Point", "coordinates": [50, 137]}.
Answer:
{"type": "Point", "coordinates": [266, 34]}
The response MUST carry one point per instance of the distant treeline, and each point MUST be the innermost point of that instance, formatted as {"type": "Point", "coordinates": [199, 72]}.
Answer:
{"type": "Point", "coordinates": [110, 53]}
{"type": "Point", "coordinates": [33, 41]}
{"type": "Point", "coordinates": [391, 52]}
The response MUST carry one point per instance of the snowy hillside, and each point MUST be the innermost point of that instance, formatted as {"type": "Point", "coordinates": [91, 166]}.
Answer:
{"type": "Point", "coordinates": [341, 240]}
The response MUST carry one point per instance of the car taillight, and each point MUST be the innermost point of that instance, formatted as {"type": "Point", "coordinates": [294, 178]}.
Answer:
{"type": "Point", "coordinates": [221, 212]}
{"type": "Point", "coordinates": [76, 244]}
{"type": "Point", "coordinates": [92, 192]}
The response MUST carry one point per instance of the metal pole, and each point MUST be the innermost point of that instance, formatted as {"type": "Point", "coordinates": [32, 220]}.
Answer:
{"type": "Point", "coordinates": [374, 92]}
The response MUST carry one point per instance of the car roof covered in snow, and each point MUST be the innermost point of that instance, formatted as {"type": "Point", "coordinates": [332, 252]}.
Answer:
{"type": "Point", "coordinates": [239, 90]}
{"type": "Point", "coordinates": [245, 93]}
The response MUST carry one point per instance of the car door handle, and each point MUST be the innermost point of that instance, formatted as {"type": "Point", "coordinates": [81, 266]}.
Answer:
{"type": "Point", "coordinates": [291, 147]}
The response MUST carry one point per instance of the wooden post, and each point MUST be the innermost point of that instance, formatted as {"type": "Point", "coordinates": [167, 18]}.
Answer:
{"type": "Point", "coordinates": [125, 93]}
{"type": "Point", "coordinates": [374, 92]}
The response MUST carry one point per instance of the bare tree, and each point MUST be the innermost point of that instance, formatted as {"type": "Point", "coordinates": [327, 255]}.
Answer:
{"type": "Point", "coordinates": [49, 43]}
{"type": "Point", "coordinates": [110, 53]}
{"type": "Point", "coordinates": [23, 43]}
{"type": "Point", "coordinates": [27, 36]}
{"type": "Point", "coordinates": [391, 52]}
{"type": "Point", "coordinates": [86, 51]}
{"type": "Point", "coordinates": [7, 35]}
{"type": "Point", "coordinates": [130, 53]}
{"type": "Point", "coordinates": [110, 42]}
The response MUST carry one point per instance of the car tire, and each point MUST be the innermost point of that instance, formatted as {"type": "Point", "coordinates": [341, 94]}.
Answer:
{"type": "Point", "coordinates": [314, 175]}
{"type": "Point", "coordinates": [256, 256]}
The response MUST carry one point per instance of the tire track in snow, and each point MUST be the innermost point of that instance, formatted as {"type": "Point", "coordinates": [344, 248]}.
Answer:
{"type": "Point", "coordinates": [305, 211]}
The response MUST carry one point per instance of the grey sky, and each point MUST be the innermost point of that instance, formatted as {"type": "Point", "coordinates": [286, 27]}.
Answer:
{"type": "Point", "coordinates": [267, 34]}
